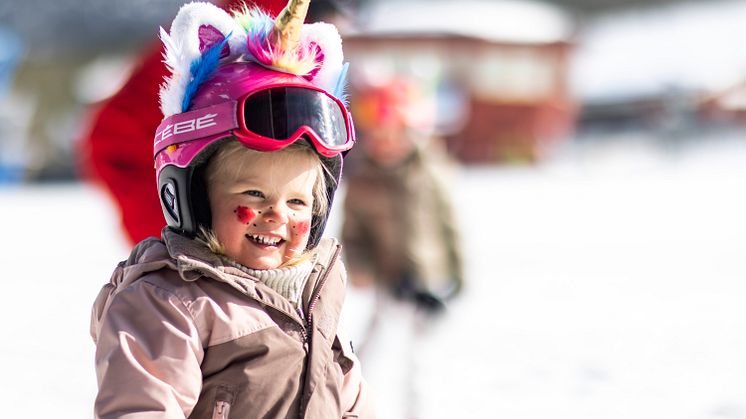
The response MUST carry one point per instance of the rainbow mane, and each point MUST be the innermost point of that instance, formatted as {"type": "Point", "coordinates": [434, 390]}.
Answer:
{"type": "Point", "coordinates": [302, 61]}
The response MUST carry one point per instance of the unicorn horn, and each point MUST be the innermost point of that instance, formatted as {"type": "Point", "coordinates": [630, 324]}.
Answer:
{"type": "Point", "coordinates": [288, 24]}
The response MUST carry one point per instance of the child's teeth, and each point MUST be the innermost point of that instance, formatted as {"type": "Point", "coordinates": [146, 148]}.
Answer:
{"type": "Point", "coordinates": [266, 240]}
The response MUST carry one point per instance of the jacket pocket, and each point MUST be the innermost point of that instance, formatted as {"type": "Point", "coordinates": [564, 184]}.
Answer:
{"type": "Point", "coordinates": [224, 396]}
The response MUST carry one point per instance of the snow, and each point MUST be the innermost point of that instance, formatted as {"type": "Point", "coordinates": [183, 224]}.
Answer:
{"type": "Point", "coordinates": [60, 245]}
{"type": "Point", "coordinates": [607, 288]}
{"type": "Point", "coordinates": [605, 283]}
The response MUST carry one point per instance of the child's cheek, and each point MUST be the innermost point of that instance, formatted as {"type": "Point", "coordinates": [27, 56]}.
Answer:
{"type": "Point", "coordinates": [302, 227]}
{"type": "Point", "coordinates": [299, 238]}
{"type": "Point", "coordinates": [244, 214]}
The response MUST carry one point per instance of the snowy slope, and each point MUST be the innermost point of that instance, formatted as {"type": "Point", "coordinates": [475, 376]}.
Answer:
{"type": "Point", "coordinates": [60, 246]}
{"type": "Point", "coordinates": [609, 283]}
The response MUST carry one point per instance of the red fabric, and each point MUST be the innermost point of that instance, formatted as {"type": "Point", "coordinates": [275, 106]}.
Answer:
{"type": "Point", "coordinates": [117, 150]}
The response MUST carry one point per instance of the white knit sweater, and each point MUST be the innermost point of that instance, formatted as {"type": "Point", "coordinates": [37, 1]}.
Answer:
{"type": "Point", "coordinates": [288, 281]}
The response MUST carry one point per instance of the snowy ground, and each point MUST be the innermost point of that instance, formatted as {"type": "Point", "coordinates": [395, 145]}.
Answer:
{"type": "Point", "coordinates": [608, 283]}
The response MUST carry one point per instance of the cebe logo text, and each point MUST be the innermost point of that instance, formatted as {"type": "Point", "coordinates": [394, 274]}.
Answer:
{"type": "Point", "coordinates": [186, 126]}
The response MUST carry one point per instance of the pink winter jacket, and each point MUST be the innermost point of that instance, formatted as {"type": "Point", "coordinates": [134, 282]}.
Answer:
{"type": "Point", "coordinates": [179, 333]}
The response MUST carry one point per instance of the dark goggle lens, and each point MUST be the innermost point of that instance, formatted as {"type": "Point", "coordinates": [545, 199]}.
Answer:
{"type": "Point", "coordinates": [278, 112]}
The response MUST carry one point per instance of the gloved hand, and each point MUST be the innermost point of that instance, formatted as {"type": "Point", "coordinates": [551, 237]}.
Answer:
{"type": "Point", "coordinates": [407, 289]}
{"type": "Point", "coordinates": [429, 302]}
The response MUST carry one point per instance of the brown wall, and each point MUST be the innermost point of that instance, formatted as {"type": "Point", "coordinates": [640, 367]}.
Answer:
{"type": "Point", "coordinates": [500, 125]}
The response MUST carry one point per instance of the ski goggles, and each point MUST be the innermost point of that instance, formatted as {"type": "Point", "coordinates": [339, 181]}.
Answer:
{"type": "Point", "coordinates": [266, 120]}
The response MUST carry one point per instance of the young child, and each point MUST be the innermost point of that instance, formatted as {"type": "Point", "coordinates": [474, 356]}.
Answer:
{"type": "Point", "coordinates": [401, 238]}
{"type": "Point", "coordinates": [234, 311]}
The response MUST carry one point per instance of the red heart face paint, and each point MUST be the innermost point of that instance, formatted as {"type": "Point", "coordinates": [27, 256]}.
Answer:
{"type": "Point", "coordinates": [244, 214]}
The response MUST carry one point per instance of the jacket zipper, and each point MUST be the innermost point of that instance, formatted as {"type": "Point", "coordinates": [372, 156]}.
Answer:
{"type": "Point", "coordinates": [317, 291]}
{"type": "Point", "coordinates": [309, 321]}
{"type": "Point", "coordinates": [222, 408]}
{"type": "Point", "coordinates": [303, 332]}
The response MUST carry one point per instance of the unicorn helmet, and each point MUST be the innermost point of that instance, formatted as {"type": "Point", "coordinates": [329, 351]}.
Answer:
{"type": "Point", "coordinates": [265, 83]}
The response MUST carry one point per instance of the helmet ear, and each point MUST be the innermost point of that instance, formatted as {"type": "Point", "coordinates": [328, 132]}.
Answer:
{"type": "Point", "coordinates": [183, 199]}
{"type": "Point", "coordinates": [209, 36]}
{"type": "Point", "coordinates": [174, 194]}
{"type": "Point", "coordinates": [330, 74]}
{"type": "Point", "coordinates": [197, 30]}
{"type": "Point", "coordinates": [183, 193]}
{"type": "Point", "coordinates": [170, 202]}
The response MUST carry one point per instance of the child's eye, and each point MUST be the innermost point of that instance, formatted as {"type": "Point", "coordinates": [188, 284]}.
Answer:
{"type": "Point", "coordinates": [255, 193]}
{"type": "Point", "coordinates": [297, 201]}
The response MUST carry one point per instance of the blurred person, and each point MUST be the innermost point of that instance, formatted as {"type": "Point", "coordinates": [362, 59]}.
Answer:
{"type": "Point", "coordinates": [116, 152]}
{"type": "Point", "coordinates": [400, 235]}
{"type": "Point", "coordinates": [235, 310]}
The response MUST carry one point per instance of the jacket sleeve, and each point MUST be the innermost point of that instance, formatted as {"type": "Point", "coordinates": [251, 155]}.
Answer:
{"type": "Point", "coordinates": [148, 356]}
{"type": "Point", "coordinates": [451, 236]}
{"type": "Point", "coordinates": [356, 395]}
{"type": "Point", "coordinates": [356, 238]}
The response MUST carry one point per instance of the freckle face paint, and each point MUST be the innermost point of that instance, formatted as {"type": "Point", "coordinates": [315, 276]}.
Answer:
{"type": "Point", "coordinates": [299, 239]}
{"type": "Point", "coordinates": [302, 227]}
{"type": "Point", "coordinates": [244, 214]}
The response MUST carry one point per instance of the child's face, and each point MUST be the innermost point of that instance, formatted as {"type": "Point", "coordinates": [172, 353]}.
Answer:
{"type": "Point", "coordinates": [388, 145]}
{"type": "Point", "coordinates": [263, 218]}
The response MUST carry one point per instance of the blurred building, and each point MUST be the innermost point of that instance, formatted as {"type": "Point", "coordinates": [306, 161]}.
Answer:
{"type": "Point", "coordinates": [677, 70]}
{"type": "Point", "coordinates": [499, 70]}
{"type": "Point", "coordinates": [74, 54]}
{"type": "Point", "coordinates": [726, 106]}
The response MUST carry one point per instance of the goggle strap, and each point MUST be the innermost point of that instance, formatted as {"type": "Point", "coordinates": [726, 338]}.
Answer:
{"type": "Point", "coordinates": [192, 125]}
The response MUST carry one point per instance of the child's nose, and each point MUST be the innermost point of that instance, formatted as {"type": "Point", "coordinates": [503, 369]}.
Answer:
{"type": "Point", "coordinates": [276, 214]}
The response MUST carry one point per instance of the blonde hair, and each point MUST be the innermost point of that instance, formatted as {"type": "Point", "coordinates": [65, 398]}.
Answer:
{"type": "Point", "coordinates": [232, 157]}
{"type": "Point", "coordinates": [229, 162]}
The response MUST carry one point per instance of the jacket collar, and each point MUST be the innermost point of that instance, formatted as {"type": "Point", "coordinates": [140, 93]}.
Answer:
{"type": "Point", "coordinates": [194, 260]}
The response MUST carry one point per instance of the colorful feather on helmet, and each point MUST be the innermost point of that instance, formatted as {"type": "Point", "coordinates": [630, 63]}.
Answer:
{"type": "Point", "coordinates": [204, 36]}
{"type": "Point", "coordinates": [302, 60]}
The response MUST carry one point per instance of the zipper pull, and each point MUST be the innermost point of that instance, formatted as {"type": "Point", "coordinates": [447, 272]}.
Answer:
{"type": "Point", "coordinates": [222, 408]}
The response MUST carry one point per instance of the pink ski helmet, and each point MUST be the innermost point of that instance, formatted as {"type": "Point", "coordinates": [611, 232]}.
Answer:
{"type": "Point", "coordinates": [243, 84]}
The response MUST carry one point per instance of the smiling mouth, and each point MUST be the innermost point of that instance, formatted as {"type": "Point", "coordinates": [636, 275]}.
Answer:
{"type": "Point", "coordinates": [264, 241]}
